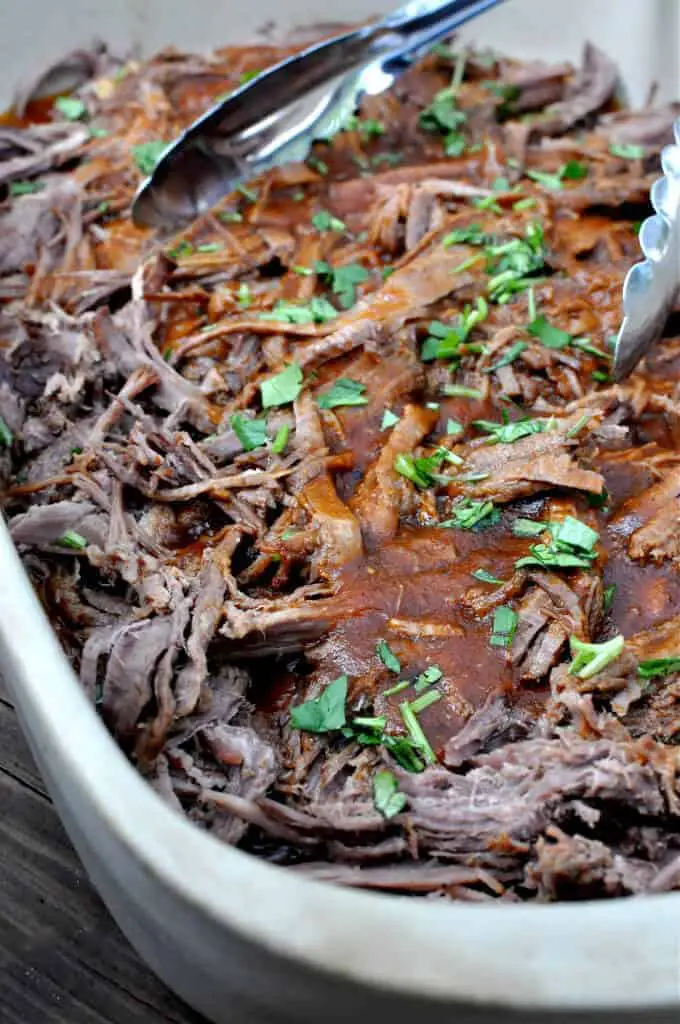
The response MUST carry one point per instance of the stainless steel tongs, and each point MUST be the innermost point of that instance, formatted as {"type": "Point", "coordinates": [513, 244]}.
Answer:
{"type": "Point", "coordinates": [276, 117]}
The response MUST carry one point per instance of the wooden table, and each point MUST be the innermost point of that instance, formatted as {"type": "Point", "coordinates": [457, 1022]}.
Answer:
{"type": "Point", "coordinates": [62, 958]}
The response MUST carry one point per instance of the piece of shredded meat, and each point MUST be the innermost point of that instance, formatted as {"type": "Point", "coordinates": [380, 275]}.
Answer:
{"type": "Point", "coordinates": [324, 494]}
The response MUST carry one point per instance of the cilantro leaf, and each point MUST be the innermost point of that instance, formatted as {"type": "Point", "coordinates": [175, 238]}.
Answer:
{"type": "Point", "coordinates": [343, 392]}
{"type": "Point", "coordinates": [431, 675]}
{"type": "Point", "coordinates": [386, 796]}
{"type": "Point", "coordinates": [505, 621]}
{"type": "Point", "coordinates": [317, 311]}
{"type": "Point", "coordinates": [627, 151]}
{"type": "Point", "coordinates": [486, 577]}
{"type": "Point", "coordinates": [343, 280]}
{"type": "Point", "coordinates": [147, 154]}
{"type": "Point", "coordinates": [387, 656]}
{"type": "Point", "coordinates": [325, 713]}
{"type": "Point", "coordinates": [281, 440]}
{"type": "Point", "coordinates": [6, 436]}
{"type": "Point", "coordinates": [25, 188]}
{"type": "Point", "coordinates": [508, 433]}
{"type": "Point", "coordinates": [282, 388]}
{"type": "Point", "coordinates": [389, 419]}
{"type": "Point", "coordinates": [252, 433]}
{"type": "Point", "coordinates": [325, 221]}
{"type": "Point", "coordinates": [70, 107]}
{"type": "Point", "coordinates": [589, 659]}
{"type": "Point", "coordinates": [72, 539]}
{"type": "Point", "coordinates": [658, 667]}
{"type": "Point", "coordinates": [468, 514]}
{"type": "Point", "coordinates": [551, 337]}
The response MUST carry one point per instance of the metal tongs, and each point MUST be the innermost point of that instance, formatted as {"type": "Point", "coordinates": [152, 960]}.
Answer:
{"type": "Point", "coordinates": [276, 117]}
{"type": "Point", "coordinates": [651, 287]}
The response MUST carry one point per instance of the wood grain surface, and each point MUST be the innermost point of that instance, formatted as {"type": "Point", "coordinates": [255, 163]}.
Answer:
{"type": "Point", "coordinates": [62, 958]}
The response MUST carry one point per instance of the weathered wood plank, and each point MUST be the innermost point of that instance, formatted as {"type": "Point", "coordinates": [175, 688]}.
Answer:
{"type": "Point", "coordinates": [62, 958]}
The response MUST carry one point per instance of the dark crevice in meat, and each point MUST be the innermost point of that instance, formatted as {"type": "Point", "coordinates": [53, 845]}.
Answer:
{"type": "Point", "coordinates": [360, 555]}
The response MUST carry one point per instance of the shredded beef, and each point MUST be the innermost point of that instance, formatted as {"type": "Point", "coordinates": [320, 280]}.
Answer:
{"type": "Point", "coordinates": [325, 494]}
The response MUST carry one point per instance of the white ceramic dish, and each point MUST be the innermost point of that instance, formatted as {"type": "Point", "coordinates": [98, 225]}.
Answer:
{"type": "Point", "coordinates": [239, 939]}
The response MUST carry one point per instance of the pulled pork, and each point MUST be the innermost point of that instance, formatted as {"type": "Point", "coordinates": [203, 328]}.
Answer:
{"type": "Point", "coordinates": [359, 554]}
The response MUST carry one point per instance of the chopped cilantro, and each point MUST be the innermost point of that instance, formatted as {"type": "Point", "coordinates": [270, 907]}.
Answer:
{"type": "Point", "coordinates": [627, 151]}
{"type": "Point", "coordinates": [528, 527]}
{"type": "Point", "coordinates": [252, 433]}
{"type": "Point", "coordinates": [572, 170]}
{"type": "Point", "coordinates": [453, 428]}
{"type": "Point", "coordinates": [509, 356]}
{"type": "Point", "coordinates": [6, 436]}
{"type": "Point", "coordinates": [551, 337]}
{"type": "Point", "coordinates": [389, 419]}
{"type": "Point", "coordinates": [471, 235]}
{"type": "Point", "coordinates": [282, 388]}
{"type": "Point", "coordinates": [468, 514]}
{"type": "Point", "coordinates": [387, 656]}
{"type": "Point", "coordinates": [249, 194]}
{"type": "Point", "coordinates": [608, 597]}
{"type": "Point", "coordinates": [415, 731]}
{"type": "Point", "coordinates": [431, 675]}
{"type": "Point", "coordinates": [343, 392]}
{"type": "Point", "coordinates": [147, 154]}
{"type": "Point", "coordinates": [209, 247]}
{"type": "Point", "coordinates": [505, 621]}
{"type": "Point", "coordinates": [281, 440]}
{"type": "Point", "coordinates": [248, 76]}
{"type": "Point", "coordinates": [460, 391]}
{"type": "Point", "coordinates": [230, 216]}
{"type": "Point", "coordinates": [343, 280]}
{"type": "Point", "coordinates": [425, 701]}
{"type": "Point", "coordinates": [486, 577]}
{"type": "Point", "coordinates": [571, 546]}
{"type": "Point", "coordinates": [317, 311]}
{"type": "Point", "coordinates": [397, 688]}
{"type": "Point", "coordinates": [508, 433]}
{"type": "Point", "coordinates": [524, 204]}
{"type": "Point", "coordinates": [244, 296]}
{"type": "Point", "coordinates": [325, 713]}
{"type": "Point", "coordinates": [442, 116]}
{"type": "Point", "coordinates": [404, 752]}
{"type": "Point", "coordinates": [25, 188]}
{"type": "Point", "coordinates": [325, 221]}
{"type": "Point", "coordinates": [589, 659]}
{"type": "Point", "coordinates": [320, 166]}
{"type": "Point", "coordinates": [386, 796]}
{"type": "Point", "coordinates": [371, 128]}
{"type": "Point", "coordinates": [182, 249]}
{"type": "Point", "coordinates": [70, 107]}
{"type": "Point", "coordinates": [658, 667]}
{"type": "Point", "coordinates": [423, 471]}
{"type": "Point", "coordinates": [72, 539]}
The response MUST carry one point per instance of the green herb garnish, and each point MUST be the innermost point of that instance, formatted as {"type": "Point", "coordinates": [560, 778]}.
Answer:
{"type": "Point", "coordinates": [6, 436]}
{"type": "Point", "coordinates": [508, 433]}
{"type": "Point", "coordinates": [551, 337]}
{"type": "Point", "coordinates": [505, 621]}
{"type": "Point", "coordinates": [343, 392]}
{"type": "Point", "coordinates": [627, 150]}
{"type": "Point", "coordinates": [528, 527]}
{"type": "Point", "coordinates": [147, 154]}
{"type": "Point", "coordinates": [387, 656]}
{"type": "Point", "coordinates": [460, 391]}
{"type": "Point", "coordinates": [25, 188]}
{"type": "Point", "coordinates": [658, 667]}
{"type": "Point", "coordinates": [343, 280]}
{"type": "Point", "coordinates": [244, 297]}
{"type": "Point", "coordinates": [425, 701]}
{"type": "Point", "coordinates": [389, 419]}
{"type": "Point", "coordinates": [415, 731]}
{"type": "Point", "coordinates": [468, 514]}
{"type": "Point", "coordinates": [317, 311]}
{"type": "Point", "coordinates": [281, 440]}
{"type": "Point", "coordinates": [282, 388]}
{"type": "Point", "coordinates": [72, 539]}
{"type": "Point", "coordinates": [325, 221]}
{"type": "Point", "coordinates": [70, 107]}
{"type": "Point", "coordinates": [325, 713]}
{"type": "Point", "coordinates": [252, 433]}
{"type": "Point", "coordinates": [386, 796]}
{"type": "Point", "coordinates": [589, 659]}
{"type": "Point", "coordinates": [453, 428]}
{"type": "Point", "coordinates": [432, 674]}
{"type": "Point", "coordinates": [509, 356]}
{"type": "Point", "coordinates": [486, 577]}
{"type": "Point", "coordinates": [608, 595]}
